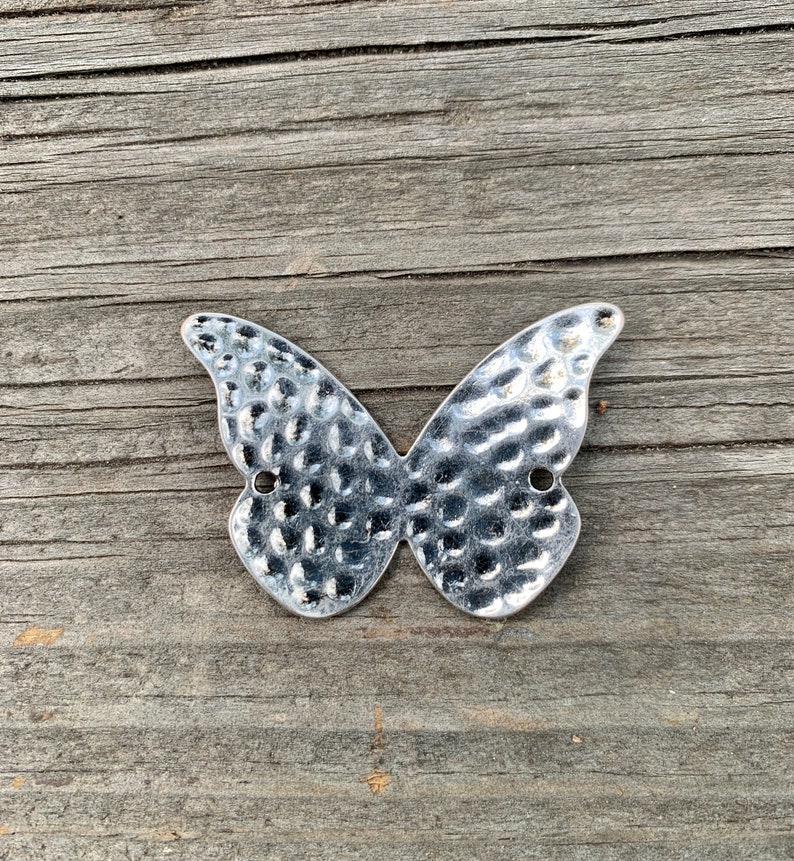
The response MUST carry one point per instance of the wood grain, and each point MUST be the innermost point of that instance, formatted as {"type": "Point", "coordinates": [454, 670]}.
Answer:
{"type": "Point", "coordinates": [68, 37]}
{"type": "Point", "coordinates": [397, 187]}
{"type": "Point", "coordinates": [403, 163]}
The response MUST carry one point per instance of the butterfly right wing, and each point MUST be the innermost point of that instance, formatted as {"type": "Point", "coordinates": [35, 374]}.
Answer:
{"type": "Point", "coordinates": [321, 539]}
{"type": "Point", "coordinates": [489, 538]}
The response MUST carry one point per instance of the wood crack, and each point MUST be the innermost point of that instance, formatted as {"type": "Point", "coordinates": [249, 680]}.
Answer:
{"type": "Point", "coordinates": [279, 57]}
{"type": "Point", "coordinates": [395, 49]}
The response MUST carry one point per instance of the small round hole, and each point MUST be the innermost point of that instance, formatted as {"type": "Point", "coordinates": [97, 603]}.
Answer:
{"type": "Point", "coordinates": [265, 482]}
{"type": "Point", "coordinates": [541, 478]}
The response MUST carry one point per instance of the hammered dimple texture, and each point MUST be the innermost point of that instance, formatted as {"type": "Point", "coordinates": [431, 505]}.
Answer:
{"type": "Point", "coordinates": [462, 497]}
{"type": "Point", "coordinates": [484, 535]}
{"type": "Point", "coordinates": [321, 539]}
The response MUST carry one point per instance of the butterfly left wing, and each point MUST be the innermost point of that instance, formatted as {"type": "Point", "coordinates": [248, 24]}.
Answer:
{"type": "Point", "coordinates": [486, 535]}
{"type": "Point", "coordinates": [320, 539]}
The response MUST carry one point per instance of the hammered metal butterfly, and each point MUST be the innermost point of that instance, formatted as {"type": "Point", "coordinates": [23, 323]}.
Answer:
{"type": "Point", "coordinates": [465, 497]}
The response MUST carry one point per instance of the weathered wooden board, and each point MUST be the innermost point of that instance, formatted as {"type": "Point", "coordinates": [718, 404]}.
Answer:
{"type": "Point", "coordinates": [44, 39]}
{"type": "Point", "coordinates": [390, 188]}
{"type": "Point", "coordinates": [381, 163]}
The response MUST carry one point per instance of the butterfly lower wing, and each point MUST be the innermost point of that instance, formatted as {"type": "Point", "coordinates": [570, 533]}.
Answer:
{"type": "Point", "coordinates": [486, 538]}
{"type": "Point", "coordinates": [322, 538]}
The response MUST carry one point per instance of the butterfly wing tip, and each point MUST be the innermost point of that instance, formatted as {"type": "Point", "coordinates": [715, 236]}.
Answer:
{"type": "Point", "coordinates": [197, 321]}
{"type": "Point", "coordinates": [199, 332]}
{"type": "Point", "coordinates": [188, 324]}
{"type": "Point", "coordinates": [191, 331]}
{"type": "Point", "coordinates": [617, 314]}
{"type": "Point", "coordinates": [606, 314]}
{"type": "Point", "coordinates": [606, 321]}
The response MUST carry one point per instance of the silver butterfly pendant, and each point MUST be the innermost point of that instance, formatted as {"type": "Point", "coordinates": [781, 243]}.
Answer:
{"type": "Point", "coordinates": [467, 497]}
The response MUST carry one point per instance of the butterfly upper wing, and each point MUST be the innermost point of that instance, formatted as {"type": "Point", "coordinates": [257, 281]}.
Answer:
{"type": "Point", "coordinates": [486, 538]}
{"type": "Point", "coordinates": [322, 538]}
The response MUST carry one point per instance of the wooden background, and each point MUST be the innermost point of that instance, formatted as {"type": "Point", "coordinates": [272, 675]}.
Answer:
{"type": "Point", "coordinates": [398, 187]}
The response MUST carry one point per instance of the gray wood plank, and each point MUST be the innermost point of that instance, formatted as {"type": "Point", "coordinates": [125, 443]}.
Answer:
{"type": "Point", "coordinates": [90, 36]}
{"type": "Point", "coordinates": [600, 149]}
{"type": "Point", "coordinates": [385, 185]}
